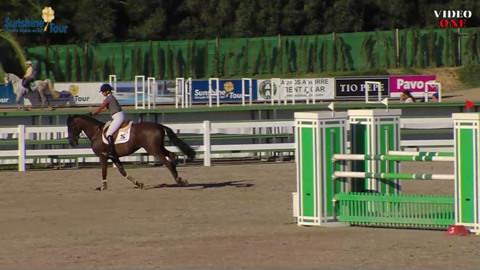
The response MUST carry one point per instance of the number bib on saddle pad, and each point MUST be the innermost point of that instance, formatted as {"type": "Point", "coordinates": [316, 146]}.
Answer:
{"type": "Point", "coordinates": [122, 135]}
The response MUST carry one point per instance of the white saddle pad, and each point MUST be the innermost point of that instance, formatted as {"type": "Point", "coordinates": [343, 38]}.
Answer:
{"type": "Point", "coordinates": [123, 133]}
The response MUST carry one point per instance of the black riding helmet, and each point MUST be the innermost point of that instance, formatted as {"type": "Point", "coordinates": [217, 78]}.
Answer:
{"type": "Point", "coordinates": [106, 87]}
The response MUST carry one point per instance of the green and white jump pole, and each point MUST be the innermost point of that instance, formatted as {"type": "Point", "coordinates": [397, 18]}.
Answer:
{"type": "Point", "coordinates": [375, 132]}
{"type": "Point", "coordinates": [318, 136]}
{"type": "Point", "coordinates": [467, 163]}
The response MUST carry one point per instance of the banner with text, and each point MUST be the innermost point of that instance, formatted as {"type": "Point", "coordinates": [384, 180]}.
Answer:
{"type": "Point", "coordinates": [413, 83]}
{"type": "Point", "coordinates": [7, 96]}
{"type": "Point", "coordinates": [230, 91]}
{"type": "Point", "coordinates": [298, 89]}
{"type": "Point", "coordinates": [83, 94]}
{"type": "Point", "coordinates": [354, 87]}
{"type": "Point", "coordinates": [70, 94]}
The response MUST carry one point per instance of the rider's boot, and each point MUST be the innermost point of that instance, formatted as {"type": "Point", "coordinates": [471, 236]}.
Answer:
{"type": "Point", "coordinates": [112, 153]}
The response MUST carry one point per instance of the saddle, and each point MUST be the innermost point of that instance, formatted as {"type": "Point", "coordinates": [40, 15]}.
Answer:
{"type": "Point", "coordinates": [122, 135]}
{"type": "Point", "coordinates": [31, 87]}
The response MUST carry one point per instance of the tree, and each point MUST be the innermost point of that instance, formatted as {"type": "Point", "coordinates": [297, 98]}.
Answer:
{"type": "Point", "coordinates": [245, 21]}
{"type": "Point", "coordinates": [293, 18]}
{"type": "Point", "coordinates": [345, 16]}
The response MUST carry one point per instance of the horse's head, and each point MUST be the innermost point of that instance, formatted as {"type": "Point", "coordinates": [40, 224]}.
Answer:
{"type": "Point", "coordinates": [73, 131]}
{"type": "Point", "coordinates": [7, 79]}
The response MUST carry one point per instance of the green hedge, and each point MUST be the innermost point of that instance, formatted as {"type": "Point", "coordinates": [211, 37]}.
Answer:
{"type": "Point", "coordinates": [260, 57]}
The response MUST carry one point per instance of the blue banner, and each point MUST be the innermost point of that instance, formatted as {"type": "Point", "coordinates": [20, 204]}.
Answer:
{"type": "Point", "coordinates": [230, 91]}
{"type": "Point", "coordinates": [7, 96]}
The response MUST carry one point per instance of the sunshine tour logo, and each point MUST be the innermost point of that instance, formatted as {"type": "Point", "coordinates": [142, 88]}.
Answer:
{"type": "Point", "coordinates": [452, 18]}
{"type": "Point", "coordinates": [35, 26]}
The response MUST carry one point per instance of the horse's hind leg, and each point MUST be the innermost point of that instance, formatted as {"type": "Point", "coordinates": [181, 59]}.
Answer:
{"type": "Point", "coordinates": [159, 154]}
{"type": "Point", "coordinates": [170, 156]}
{"type": "Point", "coordinates": [173, 169]}
{"type": "Point", "coordinates": [130, 178]}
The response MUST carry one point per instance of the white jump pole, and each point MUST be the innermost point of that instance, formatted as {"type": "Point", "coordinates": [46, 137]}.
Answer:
{"type": "Point", "coordinates": [142, 92]}
{"type": "Point", "coordinates": [151, 92]}
{"type": "Point", "coordinates": [211, 83]}
{"type": "Point", "coordinates": [179, 91]}
{"type": "Point", "coordinates": [112, 80]}
{"type": "Point", "coordinates": [244, 89]}
{"type": "Point", "coordinates": [367, 90]}
{"type": "Point", "coordinates": [437, 86]}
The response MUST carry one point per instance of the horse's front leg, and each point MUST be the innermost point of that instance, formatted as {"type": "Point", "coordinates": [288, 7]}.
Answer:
{"type": "Point", "coordinates": [42, 96]}
{"type": "Point", "coordinates": [104, 163]}
{"type": "Point", "coordinates": [130, 178]}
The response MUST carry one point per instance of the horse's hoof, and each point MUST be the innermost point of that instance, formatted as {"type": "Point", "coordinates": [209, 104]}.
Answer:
{"type": "Point", "coordinates": [139, 185]}
{"type": "Point", "coordinates": [182, 182]}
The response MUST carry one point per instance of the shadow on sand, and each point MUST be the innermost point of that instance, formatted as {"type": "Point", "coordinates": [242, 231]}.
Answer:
{"type": "Point", "coordinates": [236, 184]}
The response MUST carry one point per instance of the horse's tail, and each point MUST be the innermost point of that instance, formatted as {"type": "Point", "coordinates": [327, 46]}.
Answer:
{"type": "Point", "coordinates": [185, 148]}
{"type": "Point", "coordinates": [52, 91]}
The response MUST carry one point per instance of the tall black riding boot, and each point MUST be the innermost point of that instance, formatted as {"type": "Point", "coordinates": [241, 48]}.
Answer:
{"type": "Point", "coordinates": [112, 153]}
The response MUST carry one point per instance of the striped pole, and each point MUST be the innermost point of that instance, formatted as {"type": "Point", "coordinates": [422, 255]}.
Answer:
{"type": "Point", "coordinates": [428, 154]}
{"type": "Point", "coordinates": [338, 157]}
{"type": "Point", "coordinates": [400, 176]}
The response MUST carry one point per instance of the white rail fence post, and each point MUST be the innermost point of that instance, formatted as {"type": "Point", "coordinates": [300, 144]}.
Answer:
{"type": "Point", "coordinates": [142, 92]}
{"type": "Point", "coordinates": [188, 93]}
{"type": "Point", "coordinates": [275, 85]}
{"type": "Point", "coordinates": [207, 148]}
{"type": "Point", "coordinates": [438, 87]}
{"type": "Point", "coordinates": [179, 92]}
{"type": "Point", "coordinates": [249, 95]}
{"type": "Point", "coordinates": [211, 83]}
{"type": "Point", "coordinates": [151, 92]}
{"type": "Point", "coordinates": [367, 90]}
{"type": "Point", "coordinates": [112, 80]}
{"type": "Point", "coordinates": [22, 151]}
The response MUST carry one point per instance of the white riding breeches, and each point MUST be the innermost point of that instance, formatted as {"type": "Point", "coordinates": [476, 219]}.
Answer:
{"type": "Point", "coordinates": [117, 122]}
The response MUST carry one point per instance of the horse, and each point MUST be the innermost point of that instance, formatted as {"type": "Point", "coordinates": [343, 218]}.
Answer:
{"type": "Point", "coordinates": [147, 135]}
{"type": "Point", "coordinates": [40, 86]}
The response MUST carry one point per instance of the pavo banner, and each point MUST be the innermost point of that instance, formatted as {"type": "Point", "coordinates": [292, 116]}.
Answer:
{"type": "Point", "coordinates": [413, 83]}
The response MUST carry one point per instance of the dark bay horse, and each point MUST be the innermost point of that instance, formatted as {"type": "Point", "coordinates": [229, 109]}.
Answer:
{"type": "Point", "coordinates": [149, 136]}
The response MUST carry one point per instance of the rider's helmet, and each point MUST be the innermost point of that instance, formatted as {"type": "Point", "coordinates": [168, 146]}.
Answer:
{"type": "Point", "coordinates": [28, 63]}
{"type": "Point", "coordinates": [106, 87]}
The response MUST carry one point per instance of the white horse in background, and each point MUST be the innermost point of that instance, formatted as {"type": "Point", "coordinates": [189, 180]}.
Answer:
{"type": "Point", "coordinates": [40, 86]}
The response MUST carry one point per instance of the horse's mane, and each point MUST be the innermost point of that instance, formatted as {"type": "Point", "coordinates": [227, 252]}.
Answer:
{"type": "Point", "coordinates": [88, 119]}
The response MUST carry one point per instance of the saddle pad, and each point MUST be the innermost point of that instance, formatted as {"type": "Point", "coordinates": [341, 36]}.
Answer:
{"type": "Point", "coordinates": [123, 134]}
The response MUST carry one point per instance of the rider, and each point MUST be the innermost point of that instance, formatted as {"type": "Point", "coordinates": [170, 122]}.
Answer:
{"type": "Point", "coordinates": [29, 76]}
{"type": "Point", "coordinates": [118, 117]}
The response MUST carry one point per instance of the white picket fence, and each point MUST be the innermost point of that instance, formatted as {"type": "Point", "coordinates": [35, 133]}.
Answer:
{"type": "Point", "coordinates": [23, 156]}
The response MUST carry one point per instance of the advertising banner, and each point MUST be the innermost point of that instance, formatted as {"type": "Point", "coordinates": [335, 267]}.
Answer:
{"type": "Point", "coordinates": [413, 83]}
{"type": "Point", "coordinates": [354, 87]}
{"type": "Point", "coordinates": [298, 89]}
{"type": "Point", "coordinates": [69, 94]}
{"type": "Point", "coordinates": [84, 94]}
{"type": "Point", "coordinates": [7, 96]}
{"type": "Point", "coordinates": [230, 91]}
